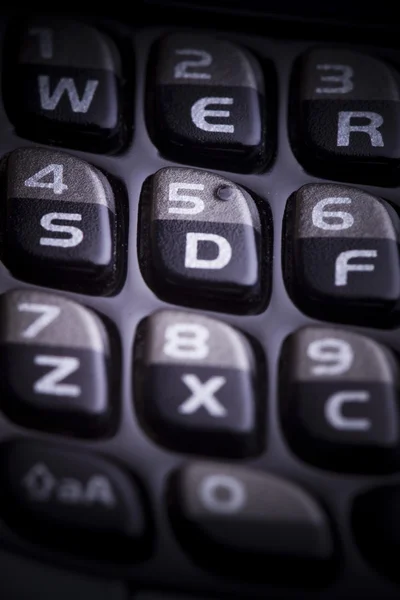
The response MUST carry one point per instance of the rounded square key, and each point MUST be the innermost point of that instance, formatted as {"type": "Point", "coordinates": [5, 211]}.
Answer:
{"type": "Point", "coordinates": [62, 84]}
{"type": "Point", "coordinates": [54, 365]}
{"type": "Point", "coordinates": [197, 386]}
{"type": "Point", "coordinates": [61, 223]}
{"type": "Point", "coordinates": [207, 104]}
{"type": "Point", "coordinates": [205, 242]}
{"type": "Point", "coordinates": [236, 519]}
{"type": "Point", "coordinates": [376, 527]}
{"type": "Point", "coordinates": [73, 501]}
{"type": "Point", "coordinates": [345, 116]}
{"type": "Point", "coordinates": [341, 256]}
{"type": "Point", "coordinates": [339, 400]}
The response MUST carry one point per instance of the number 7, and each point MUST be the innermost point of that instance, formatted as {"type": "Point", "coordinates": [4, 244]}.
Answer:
{"type": "Point", "coordinates": [49, 313]}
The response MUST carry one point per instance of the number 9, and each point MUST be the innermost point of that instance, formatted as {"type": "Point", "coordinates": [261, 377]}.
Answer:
{"type": "Point", "coordinates": [334, 355]}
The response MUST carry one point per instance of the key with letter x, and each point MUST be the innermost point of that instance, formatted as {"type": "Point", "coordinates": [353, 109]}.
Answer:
{"type": "Point", "coordinates": [203, 396]}
{"type": "Point", "coordinates": [195, 387]}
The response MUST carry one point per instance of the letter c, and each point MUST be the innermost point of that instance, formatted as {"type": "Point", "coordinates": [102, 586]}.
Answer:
{"type": "Point", "coordinates": [333, 411]}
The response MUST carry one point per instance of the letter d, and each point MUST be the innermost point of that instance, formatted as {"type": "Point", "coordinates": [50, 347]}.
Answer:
{"type": "Point", "coordinates": [192, 245]}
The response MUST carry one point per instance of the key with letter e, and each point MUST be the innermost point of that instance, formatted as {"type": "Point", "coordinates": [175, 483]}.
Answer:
{"type": "Point", "coordinates": [209, 106]}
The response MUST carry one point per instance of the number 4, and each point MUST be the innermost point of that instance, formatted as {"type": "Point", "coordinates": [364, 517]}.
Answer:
{"type": "Point", "coordinates": [56, 185]}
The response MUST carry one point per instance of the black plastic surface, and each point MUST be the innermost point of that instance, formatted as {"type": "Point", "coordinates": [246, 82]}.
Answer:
{"type": "Point", "coordinates": [170, 569]}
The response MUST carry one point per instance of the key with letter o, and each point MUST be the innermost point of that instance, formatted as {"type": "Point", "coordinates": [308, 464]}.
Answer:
{"type": "Point", "coordinates": [239, 519]}
{"type": "Point", "coordinates": [208, 105]}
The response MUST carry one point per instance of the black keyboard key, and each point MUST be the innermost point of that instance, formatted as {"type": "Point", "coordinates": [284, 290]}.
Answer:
{"type": "Point", "coordinates": [341, 254]}
{"type": "Point", "coordinates": [345, 123]}
{"type": "Point", "coordinates": [62, 84]}
{"type": "Point", "coordinates": [243, 518]}
{"type": "Point", "coordinates": [207, 104]}
{"type": "Point", "coordinates": [195, 385]}
{"type": "Point", "coordinates": [55, 364]}
{"type": "Point", "coordinates": [203, 241]}
{"type": "Point", "coordinates": [69, 499]}
{"type": "Point", "coordinates": [376, 526]}
{"type": "Point", "coordinates": [339, 400]}
{"type": "Point", "coordinates": [60, 228]}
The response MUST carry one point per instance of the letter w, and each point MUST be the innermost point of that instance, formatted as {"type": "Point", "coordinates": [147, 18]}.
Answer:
{"type": "Point", "coordinates": [66, 84]}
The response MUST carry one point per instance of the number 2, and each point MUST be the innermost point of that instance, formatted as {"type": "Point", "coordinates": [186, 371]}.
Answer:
{"type": "Point", "coordinates": [204, 59]}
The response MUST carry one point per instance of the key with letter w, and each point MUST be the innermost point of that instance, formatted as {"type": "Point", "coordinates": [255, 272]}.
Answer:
{"type": "Point", "coordinates": [49, 101]}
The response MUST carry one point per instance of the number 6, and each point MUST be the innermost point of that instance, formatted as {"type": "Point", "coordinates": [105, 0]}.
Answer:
{"type": "Point", "coordinates": [319, 215]}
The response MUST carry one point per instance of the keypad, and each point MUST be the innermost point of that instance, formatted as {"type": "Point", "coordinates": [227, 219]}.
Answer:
{"type": "Point", "coordinates": [60, 222]}
{"type": "Point", "coordinates": [188, 403]}
{"type": "Point", "coordinates": [251, 516]}
{"type": "Point", "coordinates": [55, 364]}
{"type": "Point", "coordinates": [346, 118]}
{"type": "Point", "coordinates": [339, 400]}
{"type": "Point", "coordinates": [208, 106]}
{"type": "Point", "coordinates": [63, 84]}
{"type": "Point", "coordinates": [196, 385]}
{"type": "Point", "coordinates": [205, 242]}
{"type": "Point", "coordinates": [75, 500]}
{"type": "Point", "coordinates": [341, 254]}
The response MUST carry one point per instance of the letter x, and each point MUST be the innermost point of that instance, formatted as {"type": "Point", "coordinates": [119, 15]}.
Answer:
{"type": "Point", "coordinates": [203, 395]}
